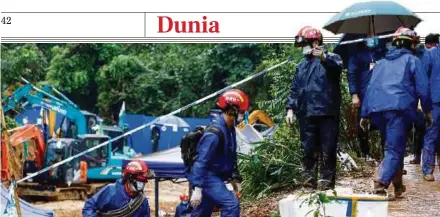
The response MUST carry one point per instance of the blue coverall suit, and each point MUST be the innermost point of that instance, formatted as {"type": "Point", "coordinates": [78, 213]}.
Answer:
{"type": "Point", "coordinates": [215, 164]}
{"type": "Point", "coordinates": [358, 77]}
{"type": "Point", "coordinates": [182, 210]}
{"type": "Point", "coordinates": [396, 83]}
{"type": "Point", "coordinates": [315, 97]}
{"type": "Point", "coordinates": [431, 65]}
{"type": "Point", "coordinates": [112, 197]}
{"type": "Point", "coordinates": [419, 123]}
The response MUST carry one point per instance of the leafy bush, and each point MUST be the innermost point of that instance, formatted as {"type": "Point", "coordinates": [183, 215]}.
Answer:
{"type": "Point", "coordinates": [273, 164]}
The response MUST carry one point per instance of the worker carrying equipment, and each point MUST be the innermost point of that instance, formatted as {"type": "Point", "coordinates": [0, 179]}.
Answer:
{"type": "Point", "coordinates": [216, 159]}
{"type": "Point", "coordinates": [123, 198]}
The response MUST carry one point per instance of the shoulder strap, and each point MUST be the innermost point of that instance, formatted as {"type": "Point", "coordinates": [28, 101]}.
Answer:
{"type": "Point", "coordinates": [217, 131]}
{"type": "Point", "coordinates": [127, 210]}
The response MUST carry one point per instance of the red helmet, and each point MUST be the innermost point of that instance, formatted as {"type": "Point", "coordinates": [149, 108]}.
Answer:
{"type": "Point", "coordinates": [307, 34]}
{"type": "Point", "coordinates": [233, 98]}
{"type": "Point", "coordinates": [406, 34]}
{"type": "Point", "coordinates": [136, 170]}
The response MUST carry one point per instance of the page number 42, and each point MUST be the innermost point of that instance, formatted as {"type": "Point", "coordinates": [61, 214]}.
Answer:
{"type": "Point", "coordinates": [6, 20]}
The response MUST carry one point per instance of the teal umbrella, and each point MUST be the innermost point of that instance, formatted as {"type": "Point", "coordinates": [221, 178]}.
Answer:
{"type": "Point", "coordinates": [372, 18]}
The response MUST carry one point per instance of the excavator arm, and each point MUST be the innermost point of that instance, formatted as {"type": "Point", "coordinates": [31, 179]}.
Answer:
{"type": "Point", "coordinates": [27, 133]}
{"type": "Point", "coordinates": [66, 108]}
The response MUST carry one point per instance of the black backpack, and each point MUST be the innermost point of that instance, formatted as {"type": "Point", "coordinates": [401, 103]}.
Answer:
{"type": "Point", "coordinates": [189, 142]}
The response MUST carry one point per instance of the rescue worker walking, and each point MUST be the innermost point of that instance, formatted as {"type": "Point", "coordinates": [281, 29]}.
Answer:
{"type": "Point", "coordinates": [431, 65]}
{"type": "Point", "coordinates": [431, 40]}
{"type": "Point", "coordinates": [419, 126]}
{"type": "Point", "coordinates": [315, 98]}
{"type": "Point", "coordinates": [359, 68]}
{"type": "Point", "coordinates": [396, 83]}
{"type": "Point", "coordinates": [216, 159]}
{"type": "Point", "coordinates": [124, 198]}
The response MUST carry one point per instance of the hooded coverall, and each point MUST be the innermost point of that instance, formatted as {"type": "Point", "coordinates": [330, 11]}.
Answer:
{"type": "Point", "coordinates": [315, 97]}
{"type": "Point", "coordinates": [112, 197]}
{"type": "Point", "coordinates": [397, 81]}
{"type": "Point", "coordinates": [431, 65]}
{"type": "Point", "coordinates": [215, 164]}
{"type": "Point", "coordinates": [358, 77]}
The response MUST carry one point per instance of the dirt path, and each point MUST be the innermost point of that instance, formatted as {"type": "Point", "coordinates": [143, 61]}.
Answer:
{"type": "Point", "coordinates": [422, 198]}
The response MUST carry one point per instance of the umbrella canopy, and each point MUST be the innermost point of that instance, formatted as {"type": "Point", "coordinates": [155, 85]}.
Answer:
{"type": "Point", "coordinates": [171, 120]}
{"type": "Point", "coordinates": [374, 17]}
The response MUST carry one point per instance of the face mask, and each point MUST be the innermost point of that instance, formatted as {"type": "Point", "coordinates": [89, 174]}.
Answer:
{"type": "Point", "coordinates": [371, 42]}
{"type": "Point", "coordinates": [137, 186]}
{"type": "Point", "coordinates": [184, 202]}
{"type": "Point", "coordinates": [390, 46]}
{"type": "Point", "coordinates": [240, 118]}
{"type": "Point", "coordinates": [307, 50]}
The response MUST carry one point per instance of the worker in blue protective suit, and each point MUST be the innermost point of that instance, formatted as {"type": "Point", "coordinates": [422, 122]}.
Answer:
{"type": "Point", "coordinates": [431, 65]}
{"type": "Point", "coordinates": [359, 68]}
{"type": "Point", "coordinates": [124, 197]}
{"type": "Point", "coordinates": [418, 128]}
{"type": "Point", "coordinates": [216, 159]}
{"type": "Point", "coordinates": [315, 98]}
{"type": "Point", "coordinates": [183, 209]}
{"type": "Point", "coordinates": [396, 84]}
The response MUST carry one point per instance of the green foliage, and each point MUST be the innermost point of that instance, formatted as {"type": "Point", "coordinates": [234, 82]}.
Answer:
{"type": "Point", "coordinates": [22, 60]}
{"type": "Point", "coordinates": [273, 165]}
{"type": "Point", "coordinates": [275, 214]}
{"type": "Point", "coordinates": [10, 122]}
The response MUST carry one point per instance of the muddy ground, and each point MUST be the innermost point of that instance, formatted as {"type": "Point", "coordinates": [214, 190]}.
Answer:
{"type": "Point", "coordinates": [169, 194]}
{"type": "Point", "coordinates": [422, 198]}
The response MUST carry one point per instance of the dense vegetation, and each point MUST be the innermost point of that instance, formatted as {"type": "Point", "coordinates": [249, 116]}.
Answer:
{"type": "Point", "coordinates": [155, 79]}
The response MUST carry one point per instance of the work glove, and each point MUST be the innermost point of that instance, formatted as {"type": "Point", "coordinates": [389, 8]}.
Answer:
{"type": "Point", "coordinates": [319, 53]}
{"type": "Point", "coordinates": [356, 102]}
{"type": "Point", "coordinates": [419, 107]}
{"type": "Point", "coordinates": [290, 118]}
{"type": "Point", "coordinates": [196, 197]}
{"type": "Point", "coordinates": [365, 124]}
{"type": "Point", "coordinates": [428, 119]}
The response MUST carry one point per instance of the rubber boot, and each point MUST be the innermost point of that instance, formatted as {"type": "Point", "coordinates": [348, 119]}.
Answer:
{"type": "Point", "coordinates": [310, 183]}
{"type": "Point", "coordinates": [379, 188]}
{"type": "Point", "coordinates": [324, 185]}
{"type": "Point", "coordinates": [438, 160]}
{"type": "Point", "coordinates": [429, 177]}
{"type": "Point", "coordinates": [397, 181]}
{"type": "Point", "coordinates": [416, 159]}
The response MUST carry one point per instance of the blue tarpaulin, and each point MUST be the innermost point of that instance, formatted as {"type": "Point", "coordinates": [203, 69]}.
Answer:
{"type": "Point", "coordinates": [141, 141]}
{"type": "Point", "coordinates": [27, 210]}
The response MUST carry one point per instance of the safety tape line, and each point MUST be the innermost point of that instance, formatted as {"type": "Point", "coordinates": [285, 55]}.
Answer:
{"type": "Point", "coordinates": [363, 39]}
{"type": "Point", "coordinates": [151, 122]}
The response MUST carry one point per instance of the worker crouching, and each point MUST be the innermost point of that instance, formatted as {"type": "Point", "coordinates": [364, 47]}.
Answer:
{"type": "Point", "coordinates": [124, 197]}
{"type": "Point", "coordinates": [315, 98]}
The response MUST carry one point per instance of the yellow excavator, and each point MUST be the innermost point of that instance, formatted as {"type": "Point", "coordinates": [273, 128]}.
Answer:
{"type": "Point", "coordinates": [257, 116]}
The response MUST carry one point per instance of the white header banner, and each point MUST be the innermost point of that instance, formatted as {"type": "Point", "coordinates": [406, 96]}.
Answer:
{"type": "Point", "coordinates": [248, 23]}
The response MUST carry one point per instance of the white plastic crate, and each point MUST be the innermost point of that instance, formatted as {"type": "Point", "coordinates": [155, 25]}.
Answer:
{"type": "Point", "coordinates": [344, 205]}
